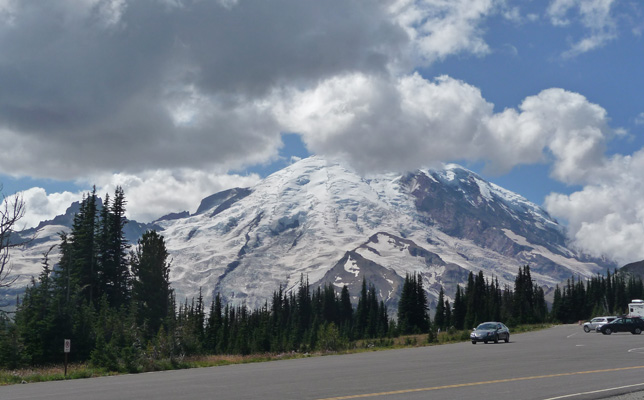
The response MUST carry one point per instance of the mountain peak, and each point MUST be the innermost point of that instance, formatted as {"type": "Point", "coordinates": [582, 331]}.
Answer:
{"type": "Point", "coordinates": [319, 219]}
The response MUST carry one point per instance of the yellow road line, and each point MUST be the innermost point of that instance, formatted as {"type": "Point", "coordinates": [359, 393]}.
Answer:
{"type": "Point", "coordinates": [460, 385]}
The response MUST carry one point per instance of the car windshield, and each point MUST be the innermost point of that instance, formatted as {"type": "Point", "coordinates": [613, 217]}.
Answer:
{"type": "Point", "coordinates": [486, 327]}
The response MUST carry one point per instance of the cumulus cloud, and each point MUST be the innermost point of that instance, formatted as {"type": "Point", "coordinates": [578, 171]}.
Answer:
{"type": "Point", "coordinates": [382, 125]}
{"type": "Point", "coordinates": [440, 28]}
{"type": "Point", "coordinates": [153, 194]}
{"type": "Point", "coordinates": [149, 195]}
{"type": "Point", "coordinates": [606, 217]}
{"type": "Point", "coordinates": [41, 206]}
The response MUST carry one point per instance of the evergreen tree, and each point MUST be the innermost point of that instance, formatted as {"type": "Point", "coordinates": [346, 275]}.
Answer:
{"type": "Point", "coordinates": [439, 317]}
{"type": "Point", "coordinates": [214, 326]}
{"type": "Point", "coordinates": [459, 310]}
{"type": "Point", "coordinates": [448, 315]}
{"type": "Point", "coordinates": [151, 286]}
{"type": "Point", "coordinates": [82, 248]}
{"type": "Point", "coordinates": [362, 311]}
{"type": "Point", "coordinates": [346, 313]}
{"type": "Point", "coordinates": [470, 303]}
{"type": "Point", "coordinates": [115, 273]}
{"type": "Point", "coordinates": [413, 306]}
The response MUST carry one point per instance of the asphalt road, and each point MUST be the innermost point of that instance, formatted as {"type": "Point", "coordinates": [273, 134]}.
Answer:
{"type": "Point", "coordinates": [558, 363]}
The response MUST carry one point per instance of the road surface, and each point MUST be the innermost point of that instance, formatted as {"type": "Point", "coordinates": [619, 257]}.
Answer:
{"type": "Point", "coordinates": [558, 363]}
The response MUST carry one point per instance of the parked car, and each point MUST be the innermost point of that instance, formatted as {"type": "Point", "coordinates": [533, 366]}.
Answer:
{"type": "Point", "coordinates": [596, 323]}
{"type": "Point", "coordinates": [634, 325]}
{"type": "Point", "coordinates": [490, 332]}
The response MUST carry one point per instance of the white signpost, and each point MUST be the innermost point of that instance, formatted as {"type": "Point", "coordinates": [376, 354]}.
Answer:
{"type": "Point", "coordinates": [67, 348]}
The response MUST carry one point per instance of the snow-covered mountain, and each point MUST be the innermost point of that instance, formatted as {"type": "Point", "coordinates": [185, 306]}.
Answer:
{"type": "Point", "coordinates": [318, 220]}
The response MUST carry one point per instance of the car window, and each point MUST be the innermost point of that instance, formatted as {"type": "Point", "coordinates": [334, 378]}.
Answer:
{"type": "Point", "coordinates": [595, 320]}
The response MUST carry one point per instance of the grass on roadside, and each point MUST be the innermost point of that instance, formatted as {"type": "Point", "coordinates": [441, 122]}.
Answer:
{"type": "Point", "coordinates": [84, 370]}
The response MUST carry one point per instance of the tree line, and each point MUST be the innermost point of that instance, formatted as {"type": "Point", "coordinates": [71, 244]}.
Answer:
{"type": "Point", "coordinates": [116, 304]}
{"type": "Point", "coordinates": [484, 299]}
{"type": "Point", "coordinates": [599, 295]}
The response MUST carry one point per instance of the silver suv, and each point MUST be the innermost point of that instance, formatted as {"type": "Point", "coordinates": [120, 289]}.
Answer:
{"type": "Point", "coordinates": [596, 323]}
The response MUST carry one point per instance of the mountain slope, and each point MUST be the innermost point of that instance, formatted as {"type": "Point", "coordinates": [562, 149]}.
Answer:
{"type": "Point", "coordinates": [322, 221]}
{"type": "Point", "coordinates": [319, 221]}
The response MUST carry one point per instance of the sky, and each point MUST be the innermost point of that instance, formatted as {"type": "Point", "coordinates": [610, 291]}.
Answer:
{"type": "Point", "coordinates": [174, 100]}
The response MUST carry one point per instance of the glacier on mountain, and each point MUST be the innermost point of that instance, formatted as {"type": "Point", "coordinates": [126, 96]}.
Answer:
{"type": "Point", "coordinates": [319, 221]}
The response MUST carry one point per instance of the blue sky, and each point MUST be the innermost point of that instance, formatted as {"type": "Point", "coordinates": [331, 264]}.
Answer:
{"type": "Point", "coordinates": [178, 99]}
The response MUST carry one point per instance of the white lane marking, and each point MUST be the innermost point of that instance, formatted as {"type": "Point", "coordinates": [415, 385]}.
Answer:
{"type": "Point", "coordinates": [637, 350]}
{"type": "Point", "coordinates": [595, 391]}
{"type": "Point", "coordinates": [569, 336]}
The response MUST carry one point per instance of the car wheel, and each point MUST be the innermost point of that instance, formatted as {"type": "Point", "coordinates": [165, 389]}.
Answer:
{"type": "Point", "coordinates": [507, 339]}
{"type": "Point", "coordinates": [473, 341]}
{"type": "Point", "coordinates": [607, 331]}
{"type": "Point", "coordinates": [586, 329]}
{"type": "Point", "coordinates": [496, 339]}
{"type": "Point", "coordinates": [485, 341]}
{"type": "Point", "coordinates": [637, 331]}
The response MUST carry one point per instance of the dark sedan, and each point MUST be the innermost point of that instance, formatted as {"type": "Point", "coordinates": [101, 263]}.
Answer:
{"type": "Point", "coordinates": [490, 332]}
{"type": "Point", "coordinates": [634, 325]}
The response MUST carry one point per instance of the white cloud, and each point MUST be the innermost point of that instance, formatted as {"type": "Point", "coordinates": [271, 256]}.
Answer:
{"type": "Point", "coordinates": [594, 16]}
{"type": "Point", "coordinates": [152, 194]}
{"type": "Point", "coordinates": [440, 28]}
{"type": "Point", "coordinates": [382, 125]}
{"type": "Point", "coordinates": [149, 195]}
{"type": "Point", "coordinates": [572, 129]}
{"type": "Point", "coordinates": [40, 206]}
{"type": "Point", "coordinates": [606, 217]}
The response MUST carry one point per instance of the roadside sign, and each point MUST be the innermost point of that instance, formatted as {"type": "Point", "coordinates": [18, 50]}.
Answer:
{"type": "Point", "coordinates": [66, 348]}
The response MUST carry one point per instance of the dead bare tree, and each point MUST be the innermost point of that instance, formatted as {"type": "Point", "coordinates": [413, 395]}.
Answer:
{"type": "Point", "coordinates": [11, 211]}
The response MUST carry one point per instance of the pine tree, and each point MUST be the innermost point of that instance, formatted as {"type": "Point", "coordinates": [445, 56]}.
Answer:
{"type": "Point", "coordinates": [345, 311]}
{"type": "Point", "coordinates": [214, 325]}
{"type": "Point", "coordinates": [439, 317]}
{"type": "Point", "coordinates": [362, 312]}
{"type": "Point", "coordinates": [82, 247]}
{"type": "Point", "coordinates": [151, 286]}
{"type": "Point", "coordinates": [413, 306]}
{"type": "Point", "coordinates": [459, 310]}
{"type": "Point", "coordinates": [115, 269]}
{"type": "Point", "coordinates": [470, 303]}
{"type": "Point", "coordinates": [448, 315]}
